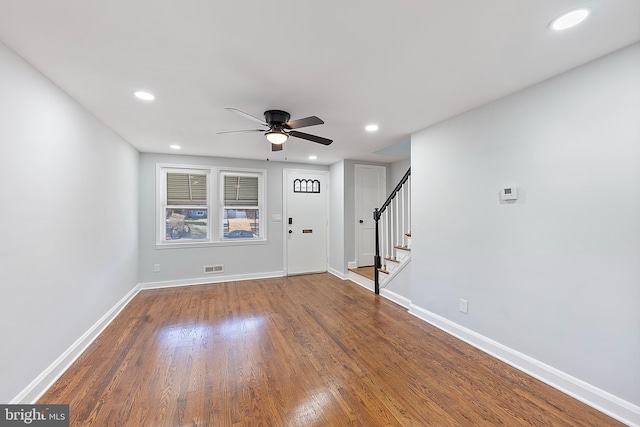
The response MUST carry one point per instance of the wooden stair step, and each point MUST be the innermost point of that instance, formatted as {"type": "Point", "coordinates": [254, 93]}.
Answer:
{"type": "Point", "coordinates": [392, 259]}
{"type": "Point", "coordinates": [383, 271]}
{"type": "Point", "coordinates": [404, 248]}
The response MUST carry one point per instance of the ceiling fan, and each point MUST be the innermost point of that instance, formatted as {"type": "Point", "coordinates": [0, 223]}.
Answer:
{"type": "Point", "coordinates": [278, 127]}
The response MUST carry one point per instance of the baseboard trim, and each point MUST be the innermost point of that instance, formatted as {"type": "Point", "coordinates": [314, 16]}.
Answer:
{"type": "Point", "coordinates": [45, 380]}
{"type": "Point", "coordinates": [599, 399]}
{"type": "Point", "coordinates": [338, 274]}
{"type": "Point", "coordinates": [362, 281]}
{"type": "Point", "coordinates": [210, 279]}
{"type": "Point", "coordinates": [397, 298]}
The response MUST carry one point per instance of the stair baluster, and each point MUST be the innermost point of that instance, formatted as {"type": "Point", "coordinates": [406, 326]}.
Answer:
{"type": "Point", "coordinates": [402, 208]}
{"type": "Point", "coordinates": [397, 226]}
{"type": "Point", "coordinates": [383, 240]}
{"type": "Point", "coordinates": [409, 206]}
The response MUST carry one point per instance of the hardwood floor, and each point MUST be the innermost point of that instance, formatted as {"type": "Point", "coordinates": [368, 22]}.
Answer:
{"type": "Point", "coordinates": [298, 351]}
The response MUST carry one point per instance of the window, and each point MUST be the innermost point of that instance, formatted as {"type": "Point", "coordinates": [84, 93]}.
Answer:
{"type": "Point", "coordinates": [306, 186]}
{"type": "Point", "coordinates": [241, 205]}
{"type": "Point", "coordinates": [186, 205]}
{"type": "Point", "coordinates": [195, 209]}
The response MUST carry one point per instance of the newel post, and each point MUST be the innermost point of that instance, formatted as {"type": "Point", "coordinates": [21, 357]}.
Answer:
{"type": "Point", "coordinates": [376, 258]}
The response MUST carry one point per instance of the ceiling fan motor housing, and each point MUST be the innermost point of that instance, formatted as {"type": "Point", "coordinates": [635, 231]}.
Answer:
{"type": "Point", "coordinates": [276, 118]}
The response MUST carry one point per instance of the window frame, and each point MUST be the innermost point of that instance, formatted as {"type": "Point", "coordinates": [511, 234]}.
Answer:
{"type": "Point", "coordinates": [162, 204]}
{"type": "Point", "coordinates": [215, 205]}
{"type": "Point", "coordinates": [260, 207]}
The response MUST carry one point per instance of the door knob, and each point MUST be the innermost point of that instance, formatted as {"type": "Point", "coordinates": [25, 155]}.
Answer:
{"type": "Point", "coordinates": [361, 221]}
{"type": "Point", "coordinates": [290, 231]}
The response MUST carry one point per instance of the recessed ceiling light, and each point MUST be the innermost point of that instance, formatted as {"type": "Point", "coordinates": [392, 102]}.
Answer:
{"type": "Point", "coordinates": [146, 96]}
{"type": "Point", "coordinates": [175, 146]}
{"type": "Point", "coordinates": [569, 19]}
{"type": "Point", "coordinates": [313, 157]}
{"type": "Point", "coordinates": [371, 128]}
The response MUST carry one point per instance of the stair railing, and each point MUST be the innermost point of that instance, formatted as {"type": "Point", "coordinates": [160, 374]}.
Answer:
{"type": "Point", "coordinates": [395, 215]}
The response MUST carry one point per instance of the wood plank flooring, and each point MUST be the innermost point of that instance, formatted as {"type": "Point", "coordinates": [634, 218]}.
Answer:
{"type": "Point", "coordinates": [298, 351]}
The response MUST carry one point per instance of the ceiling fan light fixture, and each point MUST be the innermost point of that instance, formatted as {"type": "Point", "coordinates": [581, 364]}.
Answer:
{"type": "Point", "coordinates": [276, 137]}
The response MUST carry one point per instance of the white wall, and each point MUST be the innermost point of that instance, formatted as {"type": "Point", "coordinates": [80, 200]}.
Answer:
{"type": "Point", "coordinates": [555, 275]}
{"type": "Point", "coordinates": [337, 262]}
{"type": "Point", "coordinates": [185, 265]}
{"type": "Point", "coordinates": [69, 222]}
{"type": "Point", "coordinates": [396, 173]}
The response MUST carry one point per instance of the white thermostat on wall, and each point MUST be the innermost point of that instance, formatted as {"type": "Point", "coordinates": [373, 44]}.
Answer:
{"type": "Point", "coordinates": [509, 193]}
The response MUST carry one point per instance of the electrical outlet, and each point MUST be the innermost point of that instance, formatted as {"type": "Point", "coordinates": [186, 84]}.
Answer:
{"type": "Point", "coordinates": [156, 268]}
{"type": "Point", "coordinates": [464, 306]}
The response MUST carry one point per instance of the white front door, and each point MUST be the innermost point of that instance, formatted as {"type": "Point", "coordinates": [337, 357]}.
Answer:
{"type": "Point", "coordinates": [370, 191]}
{"type": "Point", "coordinates": [305, 220]}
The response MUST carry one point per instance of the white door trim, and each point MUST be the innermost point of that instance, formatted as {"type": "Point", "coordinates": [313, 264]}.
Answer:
{"type": "Point", "coordinates": [285, 194]}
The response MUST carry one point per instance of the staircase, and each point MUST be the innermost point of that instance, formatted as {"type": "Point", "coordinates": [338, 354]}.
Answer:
{"type": "Point", "coordinates": [393, 234]}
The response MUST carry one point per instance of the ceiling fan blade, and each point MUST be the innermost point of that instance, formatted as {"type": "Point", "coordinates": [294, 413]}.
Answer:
{"type": "Point", "coordinates": [314, 138]}
{"type": "Point", "coordinates": [247, 115]}
{"type": "Point", "coordinates": [240, 131]}
{"type": "Point", "coordinates": [301, 123]}
{"type": "Point", "coordinates": [276, 147]}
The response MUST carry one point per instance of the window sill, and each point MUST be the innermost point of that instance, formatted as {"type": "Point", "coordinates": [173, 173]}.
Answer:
{"type": "Point", "coordinates": [190, 245]}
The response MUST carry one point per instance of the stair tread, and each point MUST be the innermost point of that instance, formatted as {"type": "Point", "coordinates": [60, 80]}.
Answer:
{"type": "Point", "coordinates": [392, 259]}
{"type": "Point", "coordinates": [404, 248]}
{"type": "Point", "coordinates": [383, 271]}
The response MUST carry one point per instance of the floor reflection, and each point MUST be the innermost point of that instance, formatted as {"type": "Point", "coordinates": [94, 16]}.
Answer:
{"type": "Point", "coordinates": [174, 335]}
{"type": "Point", "coordinates": [229, 328]}
{"type": "Point", "coordinates": [239, 326]}
{"type": "Point", "coordinates": [310, 411]}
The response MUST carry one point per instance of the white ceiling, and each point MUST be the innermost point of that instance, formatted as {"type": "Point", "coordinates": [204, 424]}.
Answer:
{"type": "Point", "coordinates": [403, 64]}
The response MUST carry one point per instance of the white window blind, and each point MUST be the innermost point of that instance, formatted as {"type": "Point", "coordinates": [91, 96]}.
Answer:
{"type": "Point", "coordinates": [186, 189]}
{"type": "Point", "coordinates": [240, 190]}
